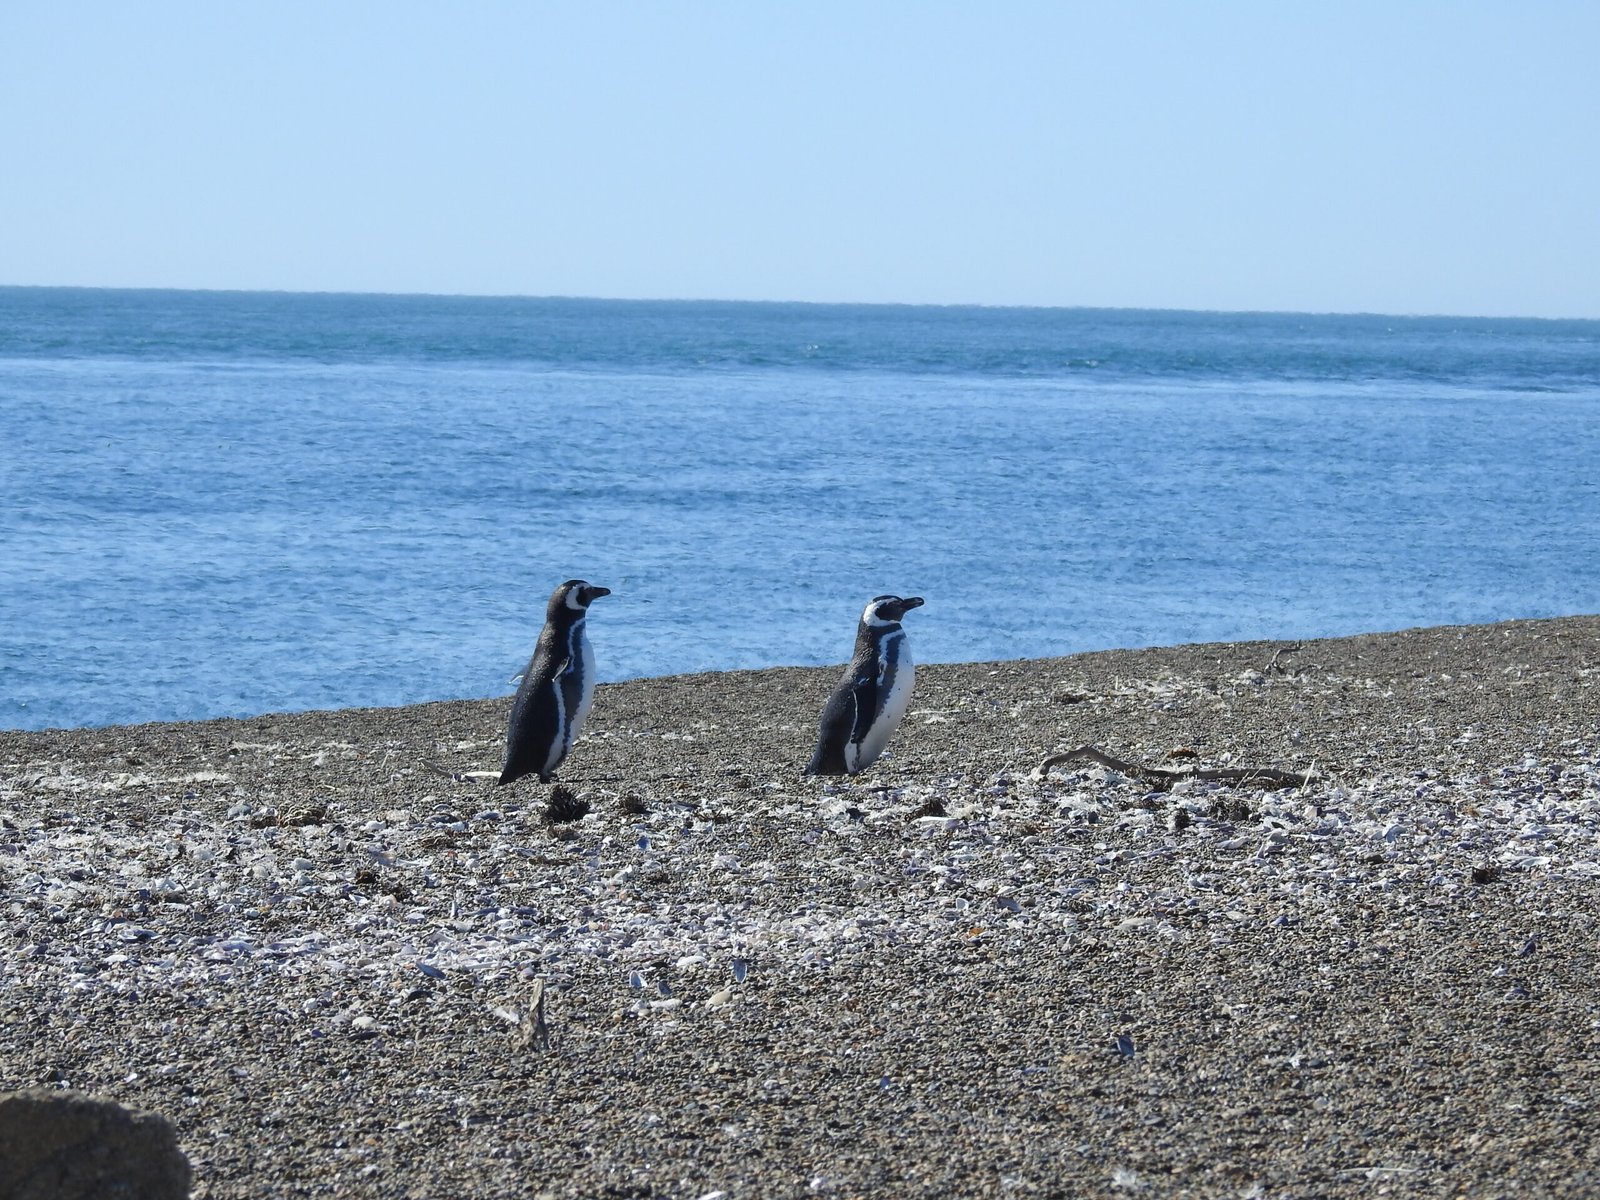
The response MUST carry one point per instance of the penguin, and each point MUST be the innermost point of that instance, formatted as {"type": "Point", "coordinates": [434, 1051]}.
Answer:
{"type": "Point", "coordinates": [557, 687]}
{"type": "Point", "coordinates": [872, 695]}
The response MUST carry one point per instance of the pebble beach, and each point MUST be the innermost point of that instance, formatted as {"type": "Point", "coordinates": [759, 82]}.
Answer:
{"type": "Point", "coordinates": [343, 963]}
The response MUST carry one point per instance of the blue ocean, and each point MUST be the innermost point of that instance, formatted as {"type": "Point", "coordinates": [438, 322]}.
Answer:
{"type": "Point", "coordinates": [234, 503]}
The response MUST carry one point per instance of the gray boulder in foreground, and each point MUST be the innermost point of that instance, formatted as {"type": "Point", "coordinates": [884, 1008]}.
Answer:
{"type": "Point", "coordinates": [60, 1145]}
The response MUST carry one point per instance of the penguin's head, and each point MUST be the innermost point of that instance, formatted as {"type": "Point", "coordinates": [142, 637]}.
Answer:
{"type": "Point", "coordinates": [574, 596]}
{"type": "Point", "coordinates": [887, 610]}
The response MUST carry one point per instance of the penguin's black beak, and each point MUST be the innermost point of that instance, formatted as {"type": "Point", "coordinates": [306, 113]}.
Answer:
{"type": "Point", "coordinates": [592, 593]}
{"type": "Point", "coordinates": [911, 602]}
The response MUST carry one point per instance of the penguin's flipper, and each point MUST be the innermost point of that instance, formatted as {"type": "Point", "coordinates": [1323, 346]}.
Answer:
{"type": "Point", "coordinates": [864, 694]}
{"type": "Point", "coordinates": [838, 724]}
{"type": "Point", "coordinates": [531, 732]}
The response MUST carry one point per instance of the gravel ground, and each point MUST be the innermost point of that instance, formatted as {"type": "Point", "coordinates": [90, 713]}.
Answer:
{"type": "Point", "coordinates": [318, 942]}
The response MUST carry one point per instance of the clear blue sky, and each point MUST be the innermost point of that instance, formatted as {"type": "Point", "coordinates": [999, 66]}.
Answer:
{"type": "Point", "coordinates": [1350, 156]}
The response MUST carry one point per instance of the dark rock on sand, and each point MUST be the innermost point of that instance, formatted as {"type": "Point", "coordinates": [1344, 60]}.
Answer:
{"type": "Point", "coordinates": [61, 1145]}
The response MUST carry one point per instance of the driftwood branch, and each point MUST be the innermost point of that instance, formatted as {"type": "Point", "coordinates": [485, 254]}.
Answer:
{"type": "Point", "coordinates": [1261, 777]}
{"type": "Point", "coordinates": [1272, 663]}
{"type": "Point", "coordinates": [532, 1033]}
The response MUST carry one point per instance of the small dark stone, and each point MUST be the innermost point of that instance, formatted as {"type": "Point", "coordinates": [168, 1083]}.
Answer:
{"type": "Point", "coordinates": [1232, 808]}
{"type": "Point", "coordinates": [564, 805]}
{"type": "Point", "coordinates": [931, 807]}
{"type": "Point", "coordinates": [1486, 874]}
{"type": "Point", "coordinates": [310, 814]}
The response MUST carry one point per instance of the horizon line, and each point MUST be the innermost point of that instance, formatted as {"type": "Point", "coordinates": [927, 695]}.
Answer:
{"type": "Point", "coordinates": [559, 296]}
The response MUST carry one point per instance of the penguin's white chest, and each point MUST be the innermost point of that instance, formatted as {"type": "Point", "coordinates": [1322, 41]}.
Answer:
{"type": "Point", "coordinates": [584, 657]}
{"type": "Point", "coordinates": [896, 676]}
{"type": "Point", "coordinates": [574, 693]}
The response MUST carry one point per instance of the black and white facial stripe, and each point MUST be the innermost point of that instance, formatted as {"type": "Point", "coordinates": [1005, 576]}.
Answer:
{"type": "Point", "coordinates": [557, 688]}
{"type": "Point", "coordinates": [873, 694]}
